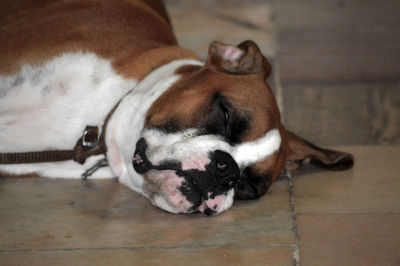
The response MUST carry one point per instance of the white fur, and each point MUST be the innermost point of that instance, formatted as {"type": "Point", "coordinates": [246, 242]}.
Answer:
{"type": "Point", "coordinates": [48, 107]}
{"type": "Point", "coordinates": [54, 102]}
{"type": "Point", "coordinates": [160, 202]}
{"type": "Point", "coordinates": [249, 153]}
{"type": "Point", "coordinates": [124, 127]}
{"type": "Point", "coordinates": [180, 146]}
{"type": "Point", "coordinates": [228, 201]}
{"type": "Point", "coordinates": [186, 144]}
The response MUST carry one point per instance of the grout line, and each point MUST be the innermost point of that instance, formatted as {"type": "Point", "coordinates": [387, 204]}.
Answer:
{"type": "Point", "coordinates": [296, 251]}
{"type": "Point", "coordinates": [279, 98]}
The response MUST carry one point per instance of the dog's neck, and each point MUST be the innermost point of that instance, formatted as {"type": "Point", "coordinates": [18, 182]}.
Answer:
{"type": "Point", "coordinates": [124, 127]}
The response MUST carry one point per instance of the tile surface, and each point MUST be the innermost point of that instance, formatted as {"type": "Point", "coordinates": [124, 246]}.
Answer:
{"type": "Point", "coordinates": [351, 217]}
{"type": "Point", "coordinates": [67, 214]}
{"type": "Point", "coordinates": [373, 184]}
{"type": "Point", "coordinates": [357, 239]}
{"type": "Point", "coordinates": [277, 256]}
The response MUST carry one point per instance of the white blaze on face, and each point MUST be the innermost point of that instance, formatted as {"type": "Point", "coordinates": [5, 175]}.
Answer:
{"type": "Point", "coordinates": [184, 147]}
{"type": "Point", "coordinates": [249, 153]}
{"type": "Point", "coordinates": [187, 148]}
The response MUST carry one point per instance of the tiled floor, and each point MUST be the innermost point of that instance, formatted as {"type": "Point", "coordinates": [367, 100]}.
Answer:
{"type": "Point", "coordinates": [343, 64]}
{"type": "Point", "coordinates": [351, 218]}
{"type": "Point", "coordinates": [314, 218]}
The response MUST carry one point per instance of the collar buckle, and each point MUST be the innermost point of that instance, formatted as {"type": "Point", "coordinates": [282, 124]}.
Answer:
{"type": "Point", "coordinates": [91, 136]}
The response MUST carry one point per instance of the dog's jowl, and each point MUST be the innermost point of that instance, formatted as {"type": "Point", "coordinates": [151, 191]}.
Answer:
{"type": "Point", "coordinates": [110, 93]}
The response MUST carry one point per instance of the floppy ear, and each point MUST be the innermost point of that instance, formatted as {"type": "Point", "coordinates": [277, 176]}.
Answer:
{"type": "Point", "coordinates": [300, 149]}
{"type": "Point", "coordinates": [243, 59]}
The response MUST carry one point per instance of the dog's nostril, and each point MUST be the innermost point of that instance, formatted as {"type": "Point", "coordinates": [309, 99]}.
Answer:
{"type": "Point", "coordinates": [226, 169]}
{"type": "Point", "coordinates": [221, 166]}
{"type": "Point", "coordinates": [137, 159]}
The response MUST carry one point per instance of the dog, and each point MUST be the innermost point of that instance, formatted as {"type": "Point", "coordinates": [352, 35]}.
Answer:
{"type": "Point", "coordinates": [101, 88]}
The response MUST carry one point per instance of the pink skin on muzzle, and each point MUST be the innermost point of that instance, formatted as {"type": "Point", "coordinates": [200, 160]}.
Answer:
{"type": "Point", "coordinates": [168, 184]}
{"type": "Point", "coordinates": [212, 204]}
{"type": "Point", "coordinates": [198, 163]}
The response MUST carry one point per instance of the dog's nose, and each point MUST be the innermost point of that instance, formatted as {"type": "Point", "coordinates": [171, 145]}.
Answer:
{"type": "Point", "coordinates": [139, 160]}
{"type": "Point", "coordinates": [203, 187]}
{"type": "Point", "coordinates": [226, 170]}
{"type": "Point", "coordinates": [220, 175]}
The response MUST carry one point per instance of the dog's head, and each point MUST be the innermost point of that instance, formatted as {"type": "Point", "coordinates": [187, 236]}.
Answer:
{"type": "Point", "coordinates": [216, 135]}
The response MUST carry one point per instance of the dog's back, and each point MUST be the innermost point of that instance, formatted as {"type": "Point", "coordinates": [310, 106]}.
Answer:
{"type": "Point", "coordinates": [36, 31]}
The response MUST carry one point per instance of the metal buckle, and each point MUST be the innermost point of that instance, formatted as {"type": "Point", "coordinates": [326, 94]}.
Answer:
{"type": "Point", "coordinates": [100, 163]}
{"type": "Point", "coordinates": [91, 137]}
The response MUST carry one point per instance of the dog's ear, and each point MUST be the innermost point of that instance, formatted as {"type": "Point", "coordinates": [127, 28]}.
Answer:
{"type": "Point", "coordinates": [300, 150]}
{"type": "Point", "coordinates": [243, 59]}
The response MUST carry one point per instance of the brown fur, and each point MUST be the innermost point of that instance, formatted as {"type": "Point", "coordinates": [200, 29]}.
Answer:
{"type": "Point", "coordinates": [246, 92]}
{"type": "Point", "coordinates": [131, 33]}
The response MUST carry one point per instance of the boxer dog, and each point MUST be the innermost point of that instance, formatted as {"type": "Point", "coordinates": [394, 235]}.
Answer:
{"type": "Point", "coordinates": [88, 83]}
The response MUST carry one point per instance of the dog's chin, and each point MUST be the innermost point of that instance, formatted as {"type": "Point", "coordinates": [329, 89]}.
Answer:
{"type": "Point", "coordinates": [174, 194]}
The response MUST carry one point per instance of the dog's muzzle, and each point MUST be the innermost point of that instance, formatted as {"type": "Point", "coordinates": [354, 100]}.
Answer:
{"type": "Point", "coordinates": [220, 175]}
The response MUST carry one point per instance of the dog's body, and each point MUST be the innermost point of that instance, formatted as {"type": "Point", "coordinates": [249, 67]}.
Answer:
{"type": "Point", "coordinates": [187, 135]}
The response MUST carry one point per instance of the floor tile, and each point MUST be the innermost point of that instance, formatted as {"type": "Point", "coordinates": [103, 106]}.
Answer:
{"type": "Point", "coordinates": [60, 214]}
{"type": "Point", "coordinates": [351, 114]}
{"type": "Point", "coordinates": [210, 256]}
{"type": "Point", "coordinates": [356, 239]}
{"type": "Point", "coordinates": [373, 184]}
